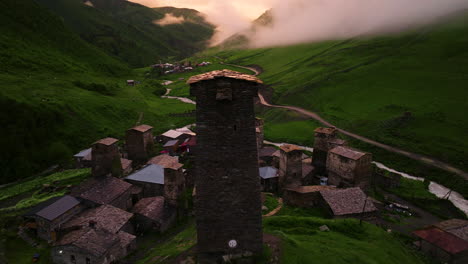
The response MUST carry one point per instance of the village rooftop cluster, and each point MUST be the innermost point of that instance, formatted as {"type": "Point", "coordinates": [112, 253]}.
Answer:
{"type": "Point", "coordinates": [170, 68]}
{"type": "Point", "coordinates": [133, 189]}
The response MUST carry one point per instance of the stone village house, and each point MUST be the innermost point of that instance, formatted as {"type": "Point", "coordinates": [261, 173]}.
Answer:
{"type": "Point", "coordinates": [50, 215]}
{"type": "Point", "coordinates": [446, 241]}
{"type": "Point", "coordinates": [348, 167]}
{"type": "Point", "coordinates": [153, 213]}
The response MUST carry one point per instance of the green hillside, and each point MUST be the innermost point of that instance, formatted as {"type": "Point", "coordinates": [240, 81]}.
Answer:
{"type": "Point", "coordinates": [58, 94]}
{"type": "Point", "coordinates": [406, 90]}
{"type": "Point", "coordinates": [127, 30]}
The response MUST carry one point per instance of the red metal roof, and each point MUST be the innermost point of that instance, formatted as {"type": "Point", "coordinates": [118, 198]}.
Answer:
{"type": "Point", "coordinates": [443, 240]}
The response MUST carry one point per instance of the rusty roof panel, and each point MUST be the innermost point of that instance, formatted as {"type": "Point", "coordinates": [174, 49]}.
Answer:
{"type": "Point", "coordinates": [444, 240]}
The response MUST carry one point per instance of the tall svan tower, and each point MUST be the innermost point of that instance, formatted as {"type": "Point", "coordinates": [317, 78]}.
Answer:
{"type": "Point", "coordinates": [227, 201]}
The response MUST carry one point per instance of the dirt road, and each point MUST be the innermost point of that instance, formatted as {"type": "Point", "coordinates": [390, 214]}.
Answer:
{"type": "Point", "coordinates": [422, 158]}
{"type": "Point", "coordinates": [425, 159]}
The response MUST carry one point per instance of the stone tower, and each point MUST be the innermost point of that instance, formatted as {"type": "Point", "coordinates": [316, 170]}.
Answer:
{"type": "Point", "coordinates": [106, 158]}
{"type": "Point", "coordinates": [139, 141]}
{"type": "Point", "coordinates": [321, 147]}
{"type": "Point", "coordinates": [228, 200]}
{"type": "Point", "coordinates": [259, 131]}
{"type": "Point", "coordinates": [290, 169]}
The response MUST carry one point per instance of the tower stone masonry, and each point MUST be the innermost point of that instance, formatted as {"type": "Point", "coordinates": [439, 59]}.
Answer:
{"type": "Point", "coordinates": [322, 137]}
{"type": "Point", "coordinates": [106, 158]}
{"type": "Point", "coordinates": [228, 191]}
{"type": "Point", "coordinates": [140, 142]}
{"type": "Point", "coordinates": [290, 168]}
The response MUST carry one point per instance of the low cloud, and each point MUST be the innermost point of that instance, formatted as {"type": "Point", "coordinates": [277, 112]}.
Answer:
{"type": "Point", "coordinates": [169, 19]}
{"type": "Point", "coordinates": [300, 21]}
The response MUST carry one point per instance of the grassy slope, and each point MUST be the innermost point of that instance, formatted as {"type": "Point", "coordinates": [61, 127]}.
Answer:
{"type": "Point", "coordinates": [126, 30]}
{"type": "Point", "coordinates": [367, 85]}
{"type": "Point", "coordinates": [45, 116]}
{"type": "Point", "coordinates": [347, 242]}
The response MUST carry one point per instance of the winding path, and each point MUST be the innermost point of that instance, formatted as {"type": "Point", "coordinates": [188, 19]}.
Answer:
{"type": "Point", "coordinates": [422, 158]}
{"type": "Point", "coordinates": [418, 157]}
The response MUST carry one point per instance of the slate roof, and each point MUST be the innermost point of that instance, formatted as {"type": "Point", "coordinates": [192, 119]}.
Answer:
{"type": "Point", "coordinates": [268, 172]}
{"type": "Point", "coordinates": [442, 239]}
{"type": "Point", "coordinates": [166, 161]}
{"type": "Point", "coordinates": [152, 173]}
{"type": "Point", "coordinates": [325, 130]}
{"type": "Point", "coordinates": [84, 153]}
{"type": "Point", "coordinates": [347, 201]}
{"type": "Point", "coordinates": [105, 217]}
{"type": "Point", "coordinates": [457, 227]}
{"type": "Point", "coordinates": [54, 207]}
{"type": "Point", "coordinates": [94, 241]}
{"type": "Point", "coordinates": [101, 190]}
{"type": "Point", "coordinates": [186, 130]}
{"type": "Point", "coordinates": [310, 188]}
{"type": "Point", "coordinates": [171, 143]}
{"type": "Point", "coordinates": [141, 128]}
{"type": "Point", "coordinates": [172, 134]}
{"type": "Point", "coordinates": [107, 141]}
{"type": "Point", "coordinates": [348, 152]}
{"type": "Point", "coordinates": [152, 207]}
{"type": "Point", "coordinates": [268, 152]}
{"type": "Point", "coordinates": [223, 73]}
{"type": "Point", "coordinates": [40, 206]}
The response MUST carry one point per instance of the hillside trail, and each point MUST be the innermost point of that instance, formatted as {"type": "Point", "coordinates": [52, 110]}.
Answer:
{"type": "Point", "coordinates": [422, 158]}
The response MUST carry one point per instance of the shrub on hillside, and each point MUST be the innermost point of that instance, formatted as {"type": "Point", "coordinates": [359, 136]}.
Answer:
{"type": "Point", "coordinates": [60, 153]}
{"type": "Point", "coordinates": [104, 89]}
{"type": "Point", "coordinates": [159, 89]}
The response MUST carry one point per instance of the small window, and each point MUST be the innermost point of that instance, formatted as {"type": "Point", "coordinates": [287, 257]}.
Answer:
{"type": "Point", "coordinates": [72, 259]}
{"type": "Point", "coordinates": [88, 261]}
{"type": "Point", "coordinates": [235, 128]}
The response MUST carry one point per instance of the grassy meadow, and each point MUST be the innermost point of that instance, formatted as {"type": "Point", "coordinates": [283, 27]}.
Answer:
{"type": "Point", "coordinates": [406, 90]}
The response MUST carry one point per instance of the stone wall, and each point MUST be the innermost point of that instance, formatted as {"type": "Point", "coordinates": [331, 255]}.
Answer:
{"type": "Point", "coordinates": [345, 172]}
{"type": "Point", "coordinates": [174, 185]}
{"type": "Point", "coordinates": [63, 255]}
{"type": "Point", "coordinates": [303, 200]}
{"type": "Point", "coordinates": [149, 189]}
{"type": "Point", "coordinates": [47, 229]}
{"type": "Point", "coordinates": [227, 203]}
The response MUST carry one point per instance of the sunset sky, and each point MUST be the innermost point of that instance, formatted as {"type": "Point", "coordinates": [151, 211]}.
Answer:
{"type": "Point", "coordinates": [250, 9]}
